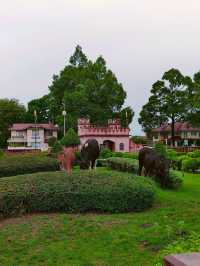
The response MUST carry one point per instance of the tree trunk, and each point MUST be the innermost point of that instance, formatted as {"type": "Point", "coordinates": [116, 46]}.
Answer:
{"type": "Point", "coordinates": [172, 131]}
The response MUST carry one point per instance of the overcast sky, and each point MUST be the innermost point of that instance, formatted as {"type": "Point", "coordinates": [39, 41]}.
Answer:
{"type": "Point", "coordinates": [139, 39]}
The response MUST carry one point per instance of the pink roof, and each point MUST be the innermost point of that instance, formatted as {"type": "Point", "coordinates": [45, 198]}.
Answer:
{"type": "Point", "coordinates": [179, 126]}
{"type": "Point", "coordinates": [24, 126]}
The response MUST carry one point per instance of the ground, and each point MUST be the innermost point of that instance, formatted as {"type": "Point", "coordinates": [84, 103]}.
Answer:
{"type": "Point", "coordinates": [94, 239]}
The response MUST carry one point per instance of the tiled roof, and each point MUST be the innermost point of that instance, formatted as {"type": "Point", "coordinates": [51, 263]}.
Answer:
{"type": "Point", "coordinates": [24, 126]}
{"type": "Point", "coordinates": [179, 126]}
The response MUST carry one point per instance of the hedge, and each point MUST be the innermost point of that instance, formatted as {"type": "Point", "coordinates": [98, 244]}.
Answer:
{"type": "Point", "coordinates": [123, 164]}
{"type": "Point", "coordinates": [191, 164]}
{"type": "Point", "coordinates": [23, 164]}
{"type": "Point", "coordinates": [83, 191]}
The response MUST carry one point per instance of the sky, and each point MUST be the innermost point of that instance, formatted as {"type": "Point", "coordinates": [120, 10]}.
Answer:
{"type": "Point", "coordinates": [139, 39]}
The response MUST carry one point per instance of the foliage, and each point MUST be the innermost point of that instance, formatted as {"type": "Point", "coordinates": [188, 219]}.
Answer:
{"type": "Point", "coordinates": [52, 141]}
{"type": "Point", "coordinates": [161, 149]}
{"type": "Point", "coordinates": [194, 154]}
{"type": "Point", "coordinates": [23, 164]}
{"type": "Point", "coordinates": [57, 147]}
{"type": "Point", "coordinates": [87, 89]}
{"type": "Point", "coordinates": [191, 164]}
{"type": "Point", "coordinates": [70, 139]}
{"type": "Point", "coordinates": [186, 244]}
{"type": "Point", "coordinates": [82, 191]}
{"type": "Point", "coordinates": [42, 107]}
{"type": "Point", "coordinates": [11, 111]}
{"type": "Point", "coordinates": [139, 140]}
{"type": "Point", "coordinates": [174, 181]}
{"type": "Point", "coordinates": [101, 163]}
{"type": "Point", "coordinates": [1, 154]}
{"type": "Point", "coordinates": [123, 164]}
{"type": "Point", "coordinates": [168, 101]}
{"type": "Point", "coordinates": [105, 153]}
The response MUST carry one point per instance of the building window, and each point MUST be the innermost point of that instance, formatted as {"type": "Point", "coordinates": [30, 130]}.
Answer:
{"type": "Point", "coordinates": [194, 133]}
{"type": "Point", "coordinates": [121, 146]}
{"type": "Point", "coordinates": [35, 134]}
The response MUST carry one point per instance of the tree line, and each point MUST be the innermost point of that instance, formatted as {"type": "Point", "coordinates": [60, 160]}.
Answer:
{"type": "Point", "coordinates": [86, 88]}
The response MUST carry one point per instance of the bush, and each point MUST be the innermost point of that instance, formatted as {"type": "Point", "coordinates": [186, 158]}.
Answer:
{"type": "Point", "coordinates": [57, 147]}
{"type": "Point", "coordinates": [101, 163]}
{"type": "Point", "coordinates": [174, 181]}
{"type": "Point", "coordinates": [160, 148]}
{"type": "Point", "coordinates": [70, 139]}
{"type": "Point", "coordinates": [22, 164]}
{"type": "Point", "coordinates": [105, 153]}
{"type": "Point", "coordinates": [194, 154]}
{"type": "Point", "coordinates": [123, 164]}
{"type": "Point", "coordinates": [191, 164]}
{"type": "Point", "coordinates": [52, 141]}
{"type": "Point", "coordinates": [82, 191]}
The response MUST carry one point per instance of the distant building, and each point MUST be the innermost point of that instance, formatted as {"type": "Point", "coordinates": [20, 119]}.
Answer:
{"type": "Point", "coordinates": [112, 136]}
{"type": "Point", "coordinates": [31, 136]}
{"type": "Point", "coordinates": [185, 134]}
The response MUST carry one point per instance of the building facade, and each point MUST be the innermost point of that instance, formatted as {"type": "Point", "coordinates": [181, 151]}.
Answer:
{"type": "Point", "coordinates": [113, 136]}
{"type": "Point", "coordinates": [185, 135]}
{"type": "Point", "coordinates": [31, 136]}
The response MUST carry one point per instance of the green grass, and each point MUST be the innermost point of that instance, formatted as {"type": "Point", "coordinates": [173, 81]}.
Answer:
{"type": "Point", "coordinates": [92, 239]}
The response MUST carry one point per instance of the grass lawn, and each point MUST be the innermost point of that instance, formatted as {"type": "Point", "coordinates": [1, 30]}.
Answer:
{"type": "Point", "coordinates": [92, 239]}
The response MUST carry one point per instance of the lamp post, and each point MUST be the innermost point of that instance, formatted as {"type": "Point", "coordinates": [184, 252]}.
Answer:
{"type": "Point", "coordinates": [64, 113]}
{"type": "Point", "coordinates": [35, 118]}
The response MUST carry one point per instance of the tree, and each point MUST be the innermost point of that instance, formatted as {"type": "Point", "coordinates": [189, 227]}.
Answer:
{"type": "Point", "coordinates": [168, 102]}
{"type": "Point", "coordinates": [42, 106]}
{"type": "Point", "coordinates": [194, 101]}
{"type": "Point", "coordinates": [11, 111]}
{"type": "Point", "coordinates": [85, 89]}
{"type": "Point", "coordinates": [70, 139]}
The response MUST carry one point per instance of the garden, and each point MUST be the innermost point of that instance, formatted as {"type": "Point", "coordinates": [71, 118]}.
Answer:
{"type": "Point", "coordinates": [108, 216]}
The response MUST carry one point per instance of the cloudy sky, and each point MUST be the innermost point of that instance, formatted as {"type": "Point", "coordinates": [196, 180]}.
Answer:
{"type": "Point", "coordinates": [140, 40]}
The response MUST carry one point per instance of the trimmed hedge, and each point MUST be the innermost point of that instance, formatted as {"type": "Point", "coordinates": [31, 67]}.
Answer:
{"type": "Point", "coordinates": [123, 164]}
{"type": "Point", "coordinates": [107, 153]}
{"type": "Point", "coordinates": [191, 164]}
{"type": "Point", "coordinates": [83, 191]}
{"type": "Point", "coordinates": [24, 164]}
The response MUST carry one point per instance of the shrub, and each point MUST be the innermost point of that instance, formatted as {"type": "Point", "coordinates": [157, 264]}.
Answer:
{"type": "Point", "coordinates": [194, 154]}
{"type": "Point", "coordinates": [191, 164]}
{"type": "Point", "coordinates": [161, 149]}
{"type": "Point", "coordinates": [22, 164]}
{"type": "Point", "coordinates": [123, 164]}
{"type": "Point", "coordinates": [57, 147]}
{"type": "Point", "coordinates": [82, 191]}
{"type": "Point", "coordinates": [106, 153]}
{"type": "Point", "coordinates": [70, 139]}
{"type": "Point", "coordinates": [174, 181]}
{"type": "Point", "coordinates": [101, 163]}
{"type": "Point", "coordinates": [52, 141]}
{"type": "Point", "coordinates": [1, 154]}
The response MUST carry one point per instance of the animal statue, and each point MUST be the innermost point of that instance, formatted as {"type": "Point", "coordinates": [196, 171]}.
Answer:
{"type": "Point", "coordinates": [66, 159]}
{"type": "Point", "coordinates": [89, 153]}
{"type": "Point", "coordinates": [155, 165]}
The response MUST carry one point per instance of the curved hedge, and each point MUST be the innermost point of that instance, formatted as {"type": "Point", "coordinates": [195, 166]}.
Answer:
{"type": "Point", "coordinates": [26, 164]}
{"type": "Point", "coordinates": [82, 191]}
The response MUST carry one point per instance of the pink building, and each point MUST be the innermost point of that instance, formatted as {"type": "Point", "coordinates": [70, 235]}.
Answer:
{"type": "Point", "coordinates": [113, 136]}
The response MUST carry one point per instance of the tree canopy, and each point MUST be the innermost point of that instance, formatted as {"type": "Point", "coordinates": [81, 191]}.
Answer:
{"type": "Point", "coordinates": [168, 101]}
{"type": "Point", "coordinates": [85, 89]}
{"type": "Point", "coordinates": [11, 111]}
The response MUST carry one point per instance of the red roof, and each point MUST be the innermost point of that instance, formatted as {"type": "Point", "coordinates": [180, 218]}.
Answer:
{"type": "Point", "coordinates": [24, 126]}
{"type": "Point", "coordinates": [179, 126]}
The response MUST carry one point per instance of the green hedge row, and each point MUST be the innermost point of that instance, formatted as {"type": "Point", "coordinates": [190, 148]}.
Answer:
{"type": "Point", "coordinates": [174, 181]}
{"type": "Point", "coordinates": [23, 164]}
{"type": "Point", "coordinates": [106, 153]}
{"type": "Point", "coordinates": [123, 164]}
{"type": "Point", "coordinates": [83, 191]}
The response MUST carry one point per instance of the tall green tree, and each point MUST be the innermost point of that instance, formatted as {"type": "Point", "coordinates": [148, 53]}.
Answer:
{"type": "Point", "coordinates": [168, 101]}
{"type": "Point", "coordinates": [84, 89]}
{"type": "Point", "coordinates": [194, 101]}
{"type": "Point", "coordinates": [11, 111]}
